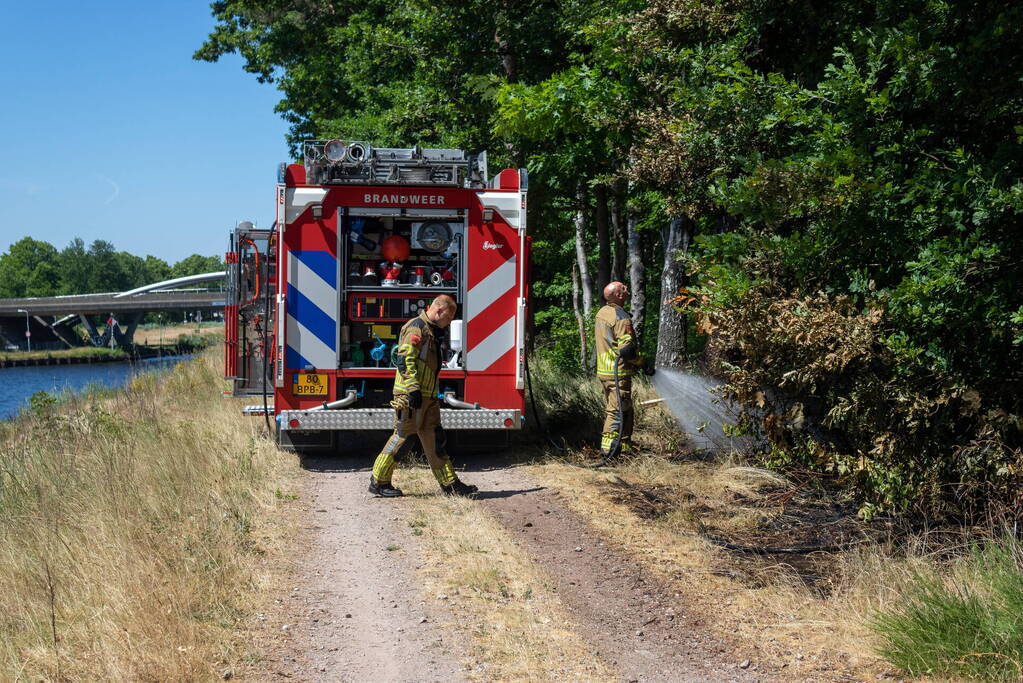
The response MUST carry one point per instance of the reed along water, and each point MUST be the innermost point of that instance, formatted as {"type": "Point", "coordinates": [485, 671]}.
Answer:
{"type": "Point", "coordinates": [701, 411]}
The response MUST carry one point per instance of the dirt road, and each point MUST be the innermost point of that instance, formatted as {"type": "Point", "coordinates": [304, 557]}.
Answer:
{"type": "Point", "coordinates": [355, 612]}
{"type": "Point", "coordinates": [627, 615]}
{"type": "Point", "coordinates": [358, 609]}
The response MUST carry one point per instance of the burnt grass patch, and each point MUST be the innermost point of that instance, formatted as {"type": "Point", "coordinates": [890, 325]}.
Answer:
{"type": "Point", "coordinates": [796, 531]}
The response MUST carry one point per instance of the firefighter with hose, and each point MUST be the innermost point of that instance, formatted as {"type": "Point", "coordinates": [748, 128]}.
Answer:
{"type": "Point", "coordinates": [617, 360]}
{"type": "Point", "coordinates": [415, 404]}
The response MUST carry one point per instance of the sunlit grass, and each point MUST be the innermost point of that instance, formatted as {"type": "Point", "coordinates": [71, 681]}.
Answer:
{"type": "Point", "coordinates": [964, 622]}
{"type": "Point", "coordinates": [130, 530]}
{"type": "Point", "coordinates": [517, 628]}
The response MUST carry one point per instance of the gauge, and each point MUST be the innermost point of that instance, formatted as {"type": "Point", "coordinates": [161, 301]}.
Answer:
{"type": "Point", "coordinates": [334, 150]}
{"type": "Point", "coordinates": [434, 236]}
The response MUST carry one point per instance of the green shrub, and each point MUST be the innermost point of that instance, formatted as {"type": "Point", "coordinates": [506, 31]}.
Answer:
{"type": "Point", "coordinates": [822, 380]}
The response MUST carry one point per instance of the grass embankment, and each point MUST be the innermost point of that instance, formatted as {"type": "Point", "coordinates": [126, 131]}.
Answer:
{"type": "Point", "coordinates": [101, 354]}
{"type": "Point", "coordinates": [155, 335]}
{"type": "Point", "coordinates": [135, 530]}
{"type": "Point", "coordinates": [185, 337]}
{"type": "Point", "coordinates": [924, 602]}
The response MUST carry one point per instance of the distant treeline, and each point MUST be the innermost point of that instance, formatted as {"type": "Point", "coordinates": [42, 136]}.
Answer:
{"type": "Point", "coordinates": [36, 268]}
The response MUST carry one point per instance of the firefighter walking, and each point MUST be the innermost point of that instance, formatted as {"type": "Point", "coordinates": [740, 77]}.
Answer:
{"type": "Point", "coordinates": [415, 404]}
{"type": "Point", "coordinates": [616, 358]}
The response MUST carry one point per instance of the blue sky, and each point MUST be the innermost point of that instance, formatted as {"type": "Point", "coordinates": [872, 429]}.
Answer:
{"type": "Point", "coordinates": [110, 130]}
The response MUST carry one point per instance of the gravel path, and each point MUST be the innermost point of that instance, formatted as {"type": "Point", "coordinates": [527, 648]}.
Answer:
{"type": "Point", "coordinates": [356, 612]}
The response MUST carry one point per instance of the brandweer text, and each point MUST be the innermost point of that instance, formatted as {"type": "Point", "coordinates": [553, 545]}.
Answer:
{"type": "Point", "coordinates": [435, 199]}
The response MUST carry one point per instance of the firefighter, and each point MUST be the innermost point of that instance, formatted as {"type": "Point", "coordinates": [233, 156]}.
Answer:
{"type": "Point", "coordinates": [617, 358]}
{"type": "Point", "coordinates": [415, 404]}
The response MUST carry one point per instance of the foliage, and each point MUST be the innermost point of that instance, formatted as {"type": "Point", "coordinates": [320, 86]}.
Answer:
{"type": "Point", "coordinates": [966, 627]}
{"type": "Point", "coordinates": [866, 273]}
{"type": "Point", "coordinates": [391, 71]}
{"type": "Point", "coordinates": [196, 265]}
{"type": "Point", "coordinates": [28, 268]}
{"type": "Point", "coordinates": [40, 402]}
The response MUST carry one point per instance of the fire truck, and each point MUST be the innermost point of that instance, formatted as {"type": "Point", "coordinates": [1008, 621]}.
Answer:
{"type": "Point", "coordinates": [364, 239]}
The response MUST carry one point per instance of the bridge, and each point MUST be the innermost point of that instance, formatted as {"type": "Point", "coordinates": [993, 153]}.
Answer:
{"type": "Point", "coordinates": [50, 319]}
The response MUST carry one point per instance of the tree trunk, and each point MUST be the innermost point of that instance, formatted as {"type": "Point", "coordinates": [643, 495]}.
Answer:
{"type": "Point", "coordinates": [585, 282]}
{"type": "Point", "coordinates": [619, 232]}
{"type": "Point", "coordinates": [603, 238]}
{"type": "Point", "coordinates": [671, 333]}
{"type": "Point", "coordinates": [580, 320]}
{"type": "Point", "coordinates": [637, 276]}
{"type": "Point", "coordinates": [510, 66]}
{"type": "Point", "coordinates": [507, 56]}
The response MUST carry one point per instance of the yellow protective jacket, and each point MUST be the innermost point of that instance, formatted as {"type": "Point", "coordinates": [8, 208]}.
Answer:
{"type": "Point", "coordinates": [614, 339]}
{"type": "Point", "coordinates": [418, 357]}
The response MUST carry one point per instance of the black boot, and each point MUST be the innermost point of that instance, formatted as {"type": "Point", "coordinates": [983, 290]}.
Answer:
{"type": "Point", "coordinates": [457, 488]}
{"type": "Point", "coordinates": [383, 490]}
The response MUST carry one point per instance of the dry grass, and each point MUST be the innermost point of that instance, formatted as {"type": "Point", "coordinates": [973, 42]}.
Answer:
{"type": "Point", "coordinates": [133, 530]}
{"type": "Point", "coordinates": [171, 333]}
{"type": "Point", "coordinates": [766, 604]}
{"type": "Point", "coordinates": [516, 627]}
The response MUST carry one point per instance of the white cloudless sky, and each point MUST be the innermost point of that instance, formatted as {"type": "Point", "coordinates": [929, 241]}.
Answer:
{"type": "Point", "coordinates": [110, 130]}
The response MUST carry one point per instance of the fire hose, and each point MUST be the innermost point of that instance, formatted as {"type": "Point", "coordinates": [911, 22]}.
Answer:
{"type": "Point", "coordinates": [536, 414]}
{"type": "Point", "coordinates": [612, 451]}
{"type": "Point", "coordinates": [267, 349]}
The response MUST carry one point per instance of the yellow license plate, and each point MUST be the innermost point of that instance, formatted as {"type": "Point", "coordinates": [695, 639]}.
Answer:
{"type": "Point", "coordinates": [309, 384]}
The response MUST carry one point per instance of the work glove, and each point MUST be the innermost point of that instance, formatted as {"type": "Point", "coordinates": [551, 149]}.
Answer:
{"type": "Point", "coordinates": [649, 369]}
{"type": "Point", "coordinates": [415, 399]}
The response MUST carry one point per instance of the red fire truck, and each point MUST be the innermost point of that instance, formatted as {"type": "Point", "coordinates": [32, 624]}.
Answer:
{"type": "Point", "coordinates": [365, 237]}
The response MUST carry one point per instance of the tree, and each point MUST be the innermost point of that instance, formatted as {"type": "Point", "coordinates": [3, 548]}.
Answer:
{"type": "Point", "coordinates": [106, 273]}
{"type": "Point", "coordinates": [390, 71]}
{"type": "Point", "coordinates": [29, 268]}
{"type": "Point", "coordinates": [197, 265]}
{"type": "Point", "coordinates": [75, 268]}
{"type": "Point", "coordinates": [849, 174]}
{"type": "Point", "coordinates": [155, 270]}
{"type": "Point", "coordinates": [671, 330]}
{"type": "Point", "coordinates": [133, 270]}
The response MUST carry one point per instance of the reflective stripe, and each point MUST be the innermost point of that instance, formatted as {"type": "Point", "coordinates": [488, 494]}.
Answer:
{"type": "Point", "coordinates": [606, 365]}
{"type": "Point", "coordinates": [383, 466]}
{"type": "Point", "coordinates": [445, 474]}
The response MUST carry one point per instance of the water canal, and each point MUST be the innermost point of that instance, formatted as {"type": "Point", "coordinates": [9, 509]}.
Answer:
{"type": "Point", "coordinates": [18, 384]}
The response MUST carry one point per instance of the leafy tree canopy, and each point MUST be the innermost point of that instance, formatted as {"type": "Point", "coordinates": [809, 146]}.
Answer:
{"type": "Point", "coordinates": [35, 268]}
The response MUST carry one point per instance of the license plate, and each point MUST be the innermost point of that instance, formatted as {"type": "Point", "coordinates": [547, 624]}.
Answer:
{"type": "Point", "coordinates": [309, 384]}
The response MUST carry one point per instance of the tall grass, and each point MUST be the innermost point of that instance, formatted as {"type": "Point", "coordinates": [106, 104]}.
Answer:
{"type": "Point", "coordinates": [571, 403]}
{"type": "Point", "coordinates": [131, 529]}
{"type": "Point", "coordinates": [966, 624]}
